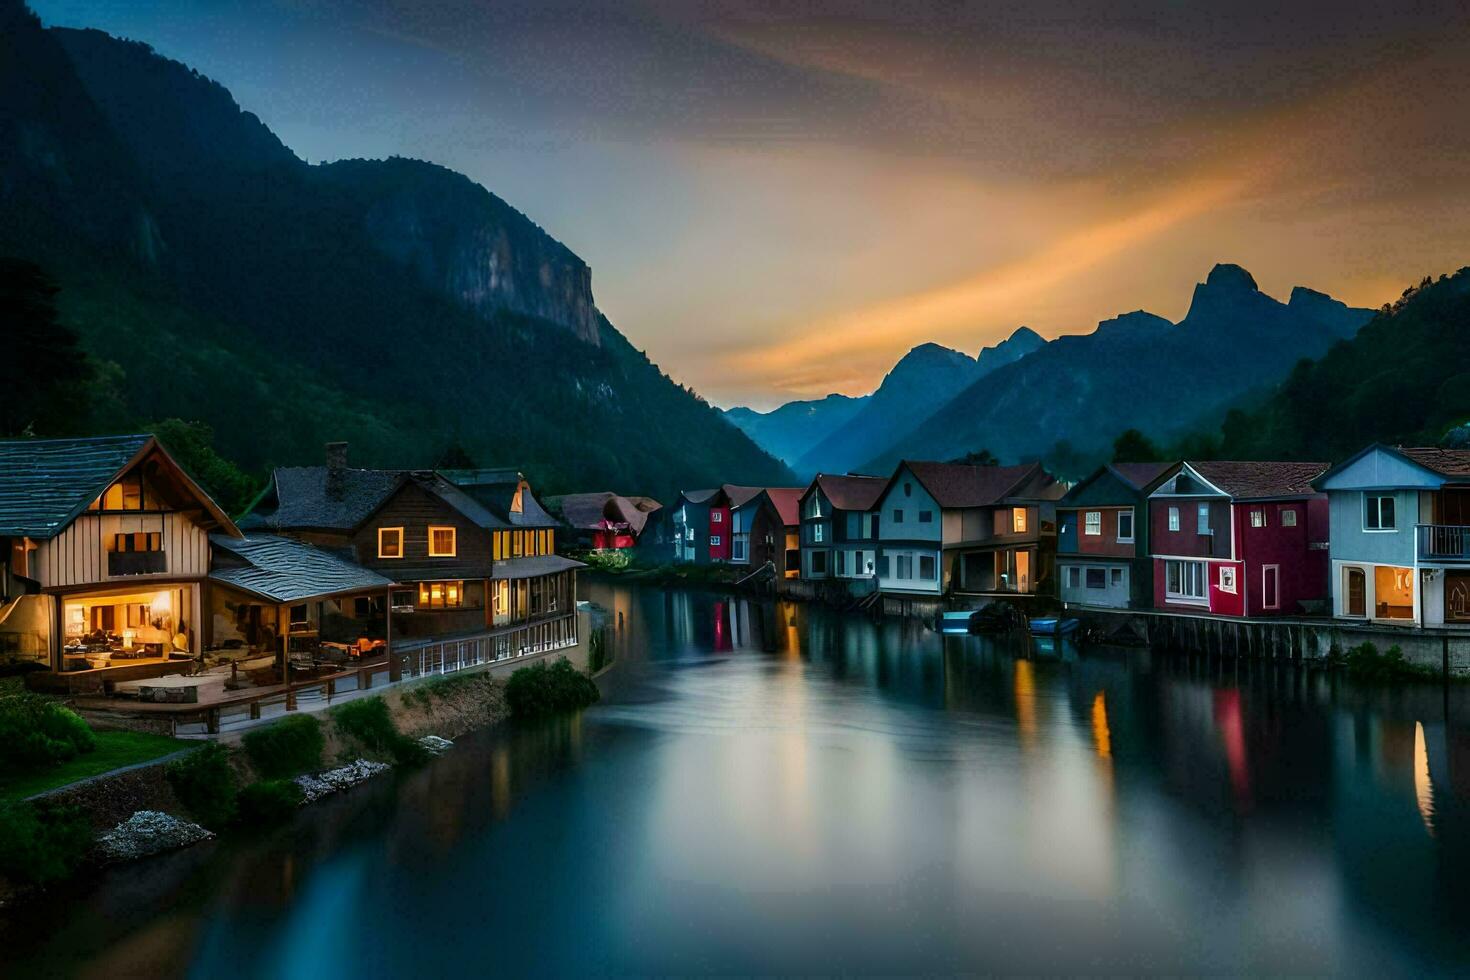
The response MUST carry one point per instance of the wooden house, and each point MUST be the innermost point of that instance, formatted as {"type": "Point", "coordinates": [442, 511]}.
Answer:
{"type": "Point", "coordinates": [775, 529]}
{"type": "Point", "coordinates": [1400, 530]}
{"type": "Point", "coordinates": [105, 546]}
{"type": "Point", "coordinates": [978, 529]}
{"type": "Point", "coordinates": [605, 521]}
{"type": "Point", "coordinates": [1240, 539]}
{"type": "Point", "coordinates": [689, 526]}
{"type": "Point", "coordinates": [839, 529]}
{"type": "Point", "coordinates": [1103, 537]}
{"type": "Point", "coordinates": [468, 550]}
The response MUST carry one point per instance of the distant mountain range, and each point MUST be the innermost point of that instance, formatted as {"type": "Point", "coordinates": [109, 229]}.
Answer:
{"type": "Point", "coordinates": [826, 435]}
{"type": "Point", "coordinates": [212, 275]}
{"type": "Point", "coordinates": [1033, 399]}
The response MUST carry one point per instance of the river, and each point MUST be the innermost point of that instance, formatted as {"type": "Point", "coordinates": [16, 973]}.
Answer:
{"type": "Point", "coordinates": [778, 788]}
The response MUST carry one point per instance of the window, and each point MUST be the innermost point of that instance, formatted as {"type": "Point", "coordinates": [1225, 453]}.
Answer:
{"type": "Point", "coordinates": [1125, 526]}
{"type": "Point", "coordinates": [839, 563]}
{"type": "Point", "coordinates": [1288, 517]}
{"type": "Point", "coordinates": [898, 517]}
{"type": "Point", "coordinates": [737, 547]}
{"type": "Point", "coordinates": [138, 541]}
{"type": "Point", "coordinates": [1258, 517]}
{"type": "Point", "coordinates": [1185, 580]}
{"type": "Point", "coordinates": [819, 563]}
{"type": "Point", "coordinates": [390, 542]}
{"type": "Point", "coordinates": [819, 532]}
{"type": "Point", "coordinates": [1018, 520]}
{"type": "Point", "coordinates": [714, 540]}
{"type": "Point", "coordinates": [1173, 518]}
{"type": "Point", "coordinates": [402, 600]}
{"type": "Point", "coordinates": [1074, 577]}
{"type": "Point", "coordinates": [926, 567]}
{"type": "Point", "coordinates": [1097, 578]}
{"type": "Point", "coordinates": [441, 542]}
{"type": "Point", "coordinates": [926, 517]}
{"type": "Point", "coordinates": [905, 566]}
{"type": "Point", "coordinates": [908, 489]}
{"type": "Point", "coordinates": [1378, 512]}
{"type": "Point", "coordinates": [1116, 575]}
{"type": "Point", "coordinates": [1227, 579]}
{"type": "Point", "coordinates": [1203, 518]}
{"type": "Point", "coordinates": [441, 595]}
{"type": "Point", "coordinates": [883, 566]}
{"type": "Point", "coordinates": [1092, 522]}
{"type": "Point", "coordinates": [127, 494]}
{"type": "Point", "coordinates": [716, 517]}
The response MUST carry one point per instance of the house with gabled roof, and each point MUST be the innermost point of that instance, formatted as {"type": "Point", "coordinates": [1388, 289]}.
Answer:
{"type": "Point", "coordinates": [1240, 538]}
{"type": "Point", "coordinates": [839, 529]}
{"type": "Point", "coordinates": [685, 535]}
{"type": "Point", "coordinates": [956, 527]}
{"type": "Point", "coordinates": [105, 549]}
{"type": "Point", "coordinates": [765, 528]}
{"type": "Point", "coordinates": [1102, 536]}
{"type": "Point", "coordinates": [1400, 528]}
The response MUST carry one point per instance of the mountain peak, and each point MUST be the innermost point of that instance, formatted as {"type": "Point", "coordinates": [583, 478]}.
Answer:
{"type": "Point", "coordinates": [1231, 276]}
{"type": "Point", "coordinates": [1022, 341]}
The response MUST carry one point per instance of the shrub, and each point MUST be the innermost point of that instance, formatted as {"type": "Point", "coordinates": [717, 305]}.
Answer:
{"type": "Point", "coordinates": [38, 733]}
{"type": "Point", "coordinates": [543, 689]}
{"type": "Point", "coordinates": [270, 801]}
{"type": "Point", "coordinates": [205, 783]}
{"type": "Point", "coordinates": [614, 560]}
{"type": "Point", "coordinates": [368, 723]}
{"type": "Point", "coordinates": [41, 841]}
{"type": "Point", "coordinates": [1365, 663]}
{"type": "Point", "coordinates": [287, 748]}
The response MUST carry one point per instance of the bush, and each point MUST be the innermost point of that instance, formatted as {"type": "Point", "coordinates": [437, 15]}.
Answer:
{"type": "Point", "coordinates": [205, 783]}
{"type": "Point", "coordinates": [41, 842]}
{"type": "Point", "coordinates": [368, 723]}
{"type": "Point", "coordinates": [613, 560]}
{"type": "Point", "coordinates": [270, 801]}
{"type": "Point", "coordinates": [542, 690]}
{"type": "Point", "coordinates": [1365, 663]}
{"type": "Point", "coordinates": [38, 733]}
{"type": "Point", "coordinates": [287, 748]}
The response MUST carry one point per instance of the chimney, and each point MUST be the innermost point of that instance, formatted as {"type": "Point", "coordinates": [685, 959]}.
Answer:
{"type": "Point", "coordinates": [336, 463]}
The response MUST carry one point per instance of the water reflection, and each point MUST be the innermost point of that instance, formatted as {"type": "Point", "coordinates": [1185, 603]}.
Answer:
{"type": "Point", "coordinates": [771, 787]}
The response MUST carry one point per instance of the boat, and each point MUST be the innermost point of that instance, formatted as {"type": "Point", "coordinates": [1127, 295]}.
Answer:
{"type": "Point", "coordinates": [1053, 626]}
{"type": "Point", "coordinates": [955, 622]}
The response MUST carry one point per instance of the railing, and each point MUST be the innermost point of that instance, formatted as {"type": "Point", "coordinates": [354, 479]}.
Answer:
{"type": "Point", "coordinates": [136, 562]}
{"type": "Point", "coordinates": [1443, 542]}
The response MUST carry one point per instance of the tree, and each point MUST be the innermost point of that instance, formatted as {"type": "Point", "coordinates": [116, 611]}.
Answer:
{"type": "Point", "coordinates": [1134, 447]}
{"type": "Point", "coordinates": [43, 371]}
{"type": "Point", "coordinates": [191, 444]}
{"type": "Point", "coordinates": [983, 457]}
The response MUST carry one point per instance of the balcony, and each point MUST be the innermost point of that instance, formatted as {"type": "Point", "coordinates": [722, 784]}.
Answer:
{"type": "Point", "coordinates": [136, 562]}
{"type": "Point", "coordinates": [1443, 542]}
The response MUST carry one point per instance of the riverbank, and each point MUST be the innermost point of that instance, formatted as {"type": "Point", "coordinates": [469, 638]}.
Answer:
{"type": "Point", "coordinates": [445, 707]}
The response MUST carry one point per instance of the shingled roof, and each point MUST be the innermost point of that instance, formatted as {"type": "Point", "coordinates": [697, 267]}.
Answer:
{"type": "Point", "coordinates": [319, 498]}
{"type": "Point", "coordinates": [963, 485]}
{"type": "Point", "coordinates": [1245, 480]}
{"type": "Point", "coordinates": [283, 569]}
{"type": "Point", "coordinates": [495, 489]}
{"type": "Point", "coordinates": [45, 484]}
{"type": "Point", "coordinates": [850, 492]}
{"type": "Point", "coordinates": [1452, 463]}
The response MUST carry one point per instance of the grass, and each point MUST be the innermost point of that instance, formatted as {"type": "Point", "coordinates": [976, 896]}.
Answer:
{"type": "Point", "coordinates": [114, 750]}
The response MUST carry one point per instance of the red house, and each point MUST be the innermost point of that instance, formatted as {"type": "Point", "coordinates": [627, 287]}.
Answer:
{"type": "Point", "coordinates": [1240, 539]}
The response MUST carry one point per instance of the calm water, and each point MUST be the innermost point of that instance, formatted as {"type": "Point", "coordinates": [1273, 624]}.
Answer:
{"type": "Point", "coordinates": [770, 788]}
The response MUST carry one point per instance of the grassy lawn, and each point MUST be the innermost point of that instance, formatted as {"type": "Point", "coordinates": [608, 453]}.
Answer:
{"type": "Point", "coordinates": [114, 750]}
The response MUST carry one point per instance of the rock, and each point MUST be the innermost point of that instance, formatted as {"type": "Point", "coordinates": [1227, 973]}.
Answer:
{"type": "Point", "coordinates": [148, 832]}
{"type": "Point", "coordinates": [435, 744]}
{"type": "Point", "coordinates": [332, 781]}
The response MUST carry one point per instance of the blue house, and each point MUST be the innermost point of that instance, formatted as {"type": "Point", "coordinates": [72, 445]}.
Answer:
{"type": "Point", "coordinates": [1400, 536]}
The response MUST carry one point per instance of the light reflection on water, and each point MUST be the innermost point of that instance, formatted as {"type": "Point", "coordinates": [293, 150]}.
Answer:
{"type": "Point", "coordinates": [777, 788]}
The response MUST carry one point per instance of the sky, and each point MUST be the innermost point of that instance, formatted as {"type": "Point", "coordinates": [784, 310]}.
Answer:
{"type": "Point", "coordinates": [778, 199]}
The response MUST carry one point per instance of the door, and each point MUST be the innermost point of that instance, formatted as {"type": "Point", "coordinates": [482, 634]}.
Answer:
{"type": "Point", "coordinates": [1355, 591]}
{"type": "Point", "coordinates": [1271, 586]}
{"type": "Point", "coordinates": [1023, 571]}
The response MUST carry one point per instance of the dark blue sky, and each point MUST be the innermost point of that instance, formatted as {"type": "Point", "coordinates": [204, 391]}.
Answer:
{"type": "Point", "coordinates": [781, 198]}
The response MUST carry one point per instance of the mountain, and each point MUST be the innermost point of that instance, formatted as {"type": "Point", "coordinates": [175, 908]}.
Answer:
{"type": "Point", "coordinates": [1134, 371]}
{"type": "Point", "coordinates": [923, 380]}
{"type": "Point", "coordinates": [789, 431]}
{"type": "Point", "coordinates": [1403, 379]}
{"type": "Point", "coordinates": [213, 275]}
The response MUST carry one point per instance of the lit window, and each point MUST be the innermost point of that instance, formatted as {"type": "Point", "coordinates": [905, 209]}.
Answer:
{"type": "Point", "coordinates": [390, 542]}
{"type": "Point", "coordinates": [717, 516]}
{"type": "Point", "coordinates": [1092, 523]}
{"type": "Point", "coordinates": [1288, 517]}
{"type": "Point", "coordinates": [714, 540]}
{"type": "Point", "coordinates": [441, 542]}
{"type": "Point", "coordinates": [1378, 512]}
{"type": "Point", "coordinates": [1173, 518]}
{"type": "Point", "coordinates": [1258, 517]}
{"type": "Point", "coordinates": [818, 532]}
{"type": "Point", "coordinates": [441, 595]}
{"type": "Point", "coordinates": [1227, 579]}
{"type": "Point", "coordinates": [1125, 526]}
{"type": "Point", "coordinates": [1018, 520]}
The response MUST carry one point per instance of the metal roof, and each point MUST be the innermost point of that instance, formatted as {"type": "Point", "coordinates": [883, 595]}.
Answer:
{"type": "Point", "coordinates": [534, 567]}
{"type": "Point", "coordinates": [286, 570]}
